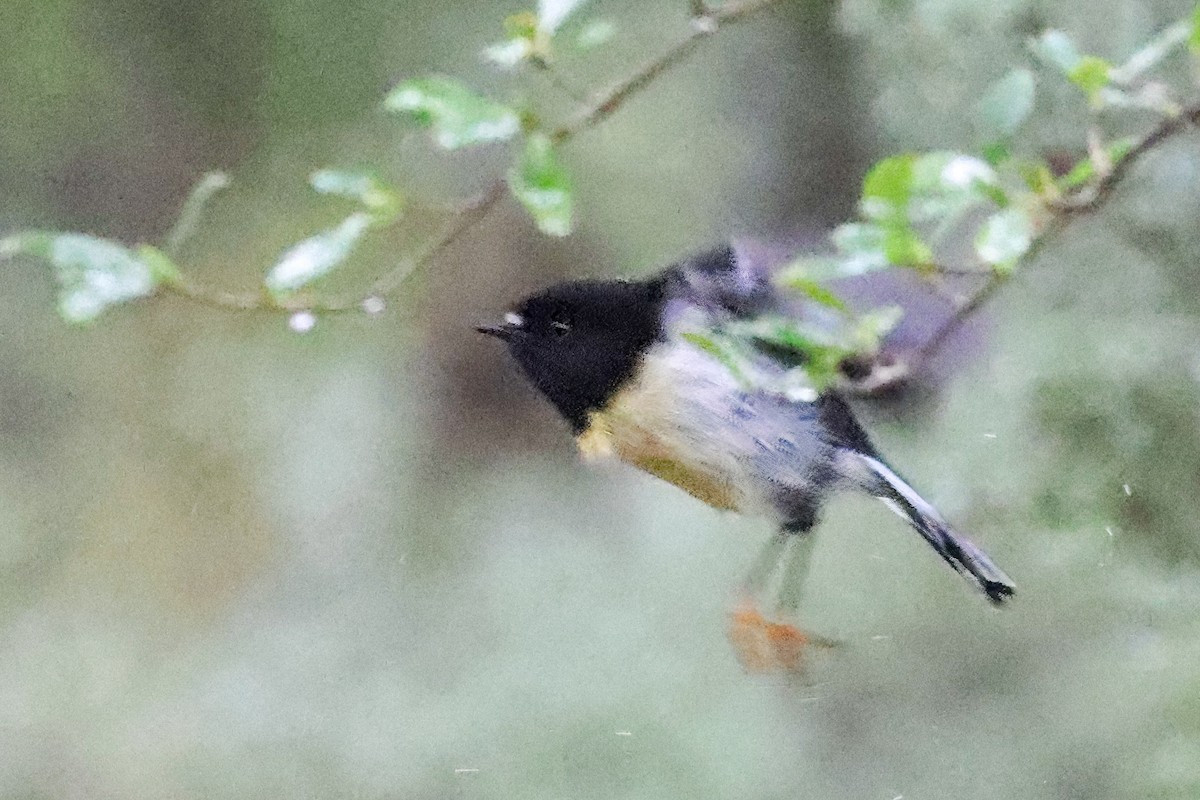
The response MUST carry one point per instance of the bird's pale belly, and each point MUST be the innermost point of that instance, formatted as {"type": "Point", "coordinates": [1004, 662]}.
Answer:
{"type": "Point", "coordinates": [648, 429]}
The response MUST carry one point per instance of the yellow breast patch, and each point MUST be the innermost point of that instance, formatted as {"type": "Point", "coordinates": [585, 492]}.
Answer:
{"type": "Point", "coordinates": [612, 434]}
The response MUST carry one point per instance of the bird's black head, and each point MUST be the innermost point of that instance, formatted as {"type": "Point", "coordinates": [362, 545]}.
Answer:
{"type": "Point", "coordinates": [579, 342]}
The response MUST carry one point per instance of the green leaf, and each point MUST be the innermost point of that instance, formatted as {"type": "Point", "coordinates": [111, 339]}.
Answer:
{"type": "Point", "coordinates": [904, 247]}
{"type": "Point", "coordinates": [92, 273]}
{"type": "Point", "coordinates": [1038, 178]}
{"type": "Point", "coordinates": [455, 115]}
{"type": "Point", "coordinates": [595, 33]}
{"type": "Point", "coordinates": [1079, 174]}
{"type": "Point", "coordinates": [1004, 238]}
{"type": "Point", "coordinates": [946, 184]}
{"type": "Point", "coordinates": [522, 25]}
{"type": "Point", "coordinates": [948, 173]}
{"type": "Point", "coordinates": [543, 186]}
{"type": "Point", "coordinates": [862, 245]}
{"type": "Point", "coordinates": [308, 260]}
{"type": "Point", "coordinates": [524, 40]}
{"type": "Point", "coordinates": [1194, 39]}
{"type": "Point", "coordinates": [381, 200]}
{"type": "Point", "coordinates": [1120, 148]}
{"type": "Point", "coordinates": [901, 191]}
{"type": "Point", "coordinates": [996, 153]}
{"type": "Point", "coordinates": [816, 292]}
{"type": "Point", "coordinates": [809, 269]}
{"type": "Point", "coordinates": [873, 326]}
{"type": "Point", "coordinates": [888, 187]}
{"type": "Point", "coordinates": [1152, 95]}
{"type": "Point", "coordinates": [553, 13]}
{"type": "Point", "coordinates": [1084, 170]}
{"type": "Point", "coordinates": [819, 353]}
{"type": "Point", "coordinates": [162, 268]}
{"type": "Point", "coordinates": [1057, 48]}
{"type": "Point", "coordinates": [1007, 103]}
{"type": "Point", "coordinates": [1091, 74]}
{"type": "Point", "coordinates": [509, 53]}
{"type": "Point", "coordinates": [1151, 54]}
{"type": "Point", "coordinates": [719, 350]}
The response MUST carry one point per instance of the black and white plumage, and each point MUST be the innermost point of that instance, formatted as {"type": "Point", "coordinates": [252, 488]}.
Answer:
{"type": "Point", "coordinates": [614, 358]}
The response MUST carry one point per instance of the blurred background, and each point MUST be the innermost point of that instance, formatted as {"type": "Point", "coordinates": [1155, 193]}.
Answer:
{"type": "Point", "coordinates": [364, 562]}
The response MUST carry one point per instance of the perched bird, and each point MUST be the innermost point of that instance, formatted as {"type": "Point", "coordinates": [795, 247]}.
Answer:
{"type": "Point", "coordinates": [621, 363]}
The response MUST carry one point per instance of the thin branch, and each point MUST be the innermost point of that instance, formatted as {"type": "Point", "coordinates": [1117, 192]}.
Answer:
{"type": "Point", "coordinates": [467, 215]}
{"type": "Point", "coordinates": [1086, 199]}
{"type": "Point", "coordinates": [466, 218]}
{"type": "Point", "coordinates": [1091, 197]}
{"type": "Point", "coordinates": [702, 27]}
{"type": "Point", "coordinates": [184, 286]}
{"type": "Point", "coordinates": [193, 208]}
{"type": "Point", "coordinates": [553, 77]}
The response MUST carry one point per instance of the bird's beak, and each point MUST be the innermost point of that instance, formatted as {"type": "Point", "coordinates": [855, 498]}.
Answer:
{"type": "Point", "coordinates": [504, 332]}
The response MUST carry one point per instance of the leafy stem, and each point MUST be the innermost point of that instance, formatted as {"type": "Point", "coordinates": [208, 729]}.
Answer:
{"type": "Point", "coordinates": [1084, 200]}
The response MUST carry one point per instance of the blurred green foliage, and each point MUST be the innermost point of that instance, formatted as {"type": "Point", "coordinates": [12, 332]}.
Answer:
{"type": "Point", "coordinates": [242, 562]}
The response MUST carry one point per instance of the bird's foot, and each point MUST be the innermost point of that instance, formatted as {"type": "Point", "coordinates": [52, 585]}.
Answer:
{"type": "Point", "coordinates": [765, 644]}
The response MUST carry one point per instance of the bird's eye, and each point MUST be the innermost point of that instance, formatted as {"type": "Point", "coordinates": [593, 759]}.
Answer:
{"type": "Point", "coordinates": [560, 327]}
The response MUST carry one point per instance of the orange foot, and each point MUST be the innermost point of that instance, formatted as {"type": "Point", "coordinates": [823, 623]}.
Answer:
{"type": "Point", "coordinates": [764, 645]}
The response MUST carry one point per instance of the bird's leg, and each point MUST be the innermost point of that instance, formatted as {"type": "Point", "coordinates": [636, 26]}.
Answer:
{"type": "Point", "coordinates": [776, 645]}
{"type": "Point", "coordinates": [766, 565]}
{"type": "Point", "coordinates": [773, 645]}
{"type": "Point", "coordinates": [795, 571]}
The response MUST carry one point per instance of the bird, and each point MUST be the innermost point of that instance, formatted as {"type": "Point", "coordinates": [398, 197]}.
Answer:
{"type": "Point", "coordinates": [624, 362]}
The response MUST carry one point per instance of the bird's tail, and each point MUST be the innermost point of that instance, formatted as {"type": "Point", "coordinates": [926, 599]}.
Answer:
{"type": "Point", "coordinates": [958, 551]}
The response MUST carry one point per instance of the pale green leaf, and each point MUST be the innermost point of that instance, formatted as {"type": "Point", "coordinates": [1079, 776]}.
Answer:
{"type": "Point", "coordinates": [1006, 104]}
{"type": "Point", "coordinates": [384, 202]}
{"type": "Point", "coordinates": [1057, 48]}
{"type": "Point", "coordinates": [810, 268]}
{"type": "Point", "coordinates": [1151, 54]}
{"type": "Point", "coordinates": [721, 351]}
{"type": "Point", "coordinates": [527, 40]}
{"type": "Point", "coordinates": [952, 173]}
{"type": "Point", "coordinates": [1004, 238]}
{"type": "Point", "coordinates": [595, 33]}
{"type": "Point", "coordinates": [92, 273]}
{"type": "Point", "coordinates": [1152, 95]}
{"type": "Point", "coordinates": [455, 115]}
{"type": "Point", "coordinates": [873, 326]}
{"type": "Point", "coordinates": [553, 13]}
{"type": "Point", "coordinates": [316, 256]}
{"type": "Point", "coordinates": [193, 209]}
{"type": "Point", "coordinates": [861, 243]}
{"type": "Point", "coordinates": [543, 186]}
{"type": "Point", "coordinates": [945, 184]}
{"type": "Point", "coordinates": [818, 353]}
{"type": "Point", "coordinates": [509, 53]}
